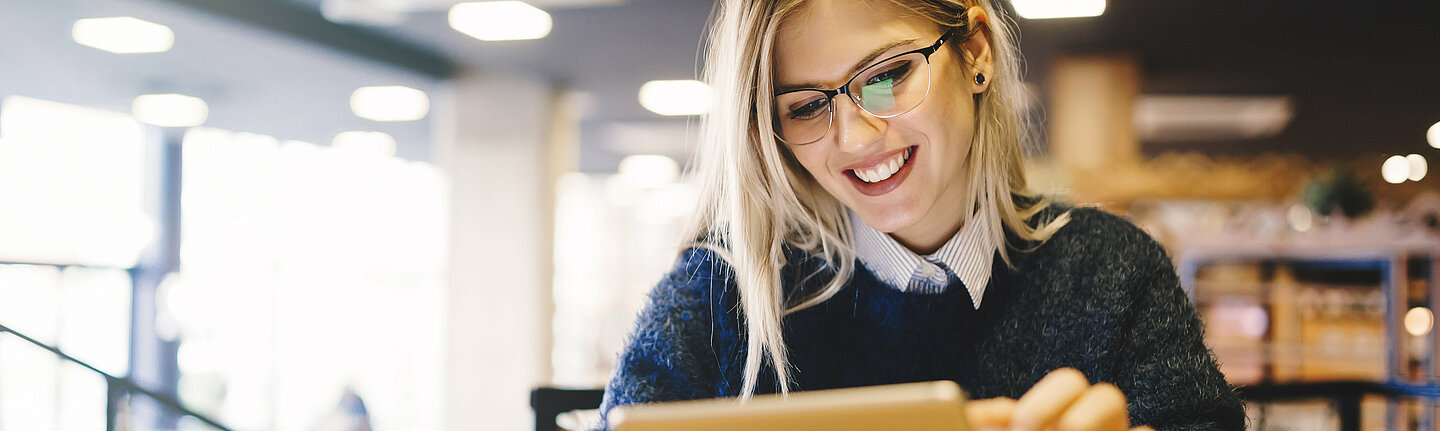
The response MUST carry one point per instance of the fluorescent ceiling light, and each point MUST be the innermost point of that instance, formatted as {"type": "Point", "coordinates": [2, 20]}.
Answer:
{"type": "Point", "coordinates": [500, 20]}
{"type": "Point", "coordinates": [1047, 9]}
{"type": "Point", "coordinates": [123, 35]}
{"type": "Point", "coordinates": [389, 103]}
{"type": "Point", "coordinates": [1211, 118]}
{"type": "Point", "coordinates": [364, 12]}
{"type": "Point", "coordinates": [170, 110]}
{"type": "Point", "coordinates": [682, 97]}
{"type": "Point", "coordinates": [377, 143]}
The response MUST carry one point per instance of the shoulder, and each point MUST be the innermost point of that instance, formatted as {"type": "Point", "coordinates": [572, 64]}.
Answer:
{"type": "Point", "coordinates": [700, 264]}
{"type": "Point", "coordinates": [701, 281]}
{"type": "Point", "coordinates": [1095, 237]}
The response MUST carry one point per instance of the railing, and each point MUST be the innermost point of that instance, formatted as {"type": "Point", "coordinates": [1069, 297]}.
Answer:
{"type": "Point", "coordinates": [1344, 395]}
{"type": "Point", "coordinates": [118, 388]}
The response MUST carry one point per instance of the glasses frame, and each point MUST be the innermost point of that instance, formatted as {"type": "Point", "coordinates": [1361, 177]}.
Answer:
{"type": "Point", "coordinates": [845, 89]}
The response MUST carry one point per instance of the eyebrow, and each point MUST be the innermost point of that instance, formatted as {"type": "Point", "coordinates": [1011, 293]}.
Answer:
{"type": "Point", "coordinates": [859, 65]}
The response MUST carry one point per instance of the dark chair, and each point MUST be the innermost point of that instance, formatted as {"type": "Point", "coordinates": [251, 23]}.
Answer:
{"type": "Point", "coordinates": [550, 402]}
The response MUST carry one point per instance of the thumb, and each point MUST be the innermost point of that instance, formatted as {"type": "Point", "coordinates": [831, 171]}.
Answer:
{"type": "Point", "coordinates": [993, 413]}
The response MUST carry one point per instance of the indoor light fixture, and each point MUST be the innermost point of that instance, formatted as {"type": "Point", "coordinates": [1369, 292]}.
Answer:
{"type": "Point", "coordinates": [1433, 135]}
{"type": "Point", "coordinates": [1047, 9]}
{"type": "Point", "coordinates": [500, 20]}
{"type": "Point", "coordinates": [1395, 170]}
{"type": "Point", "coordinates": [389, 103]}
{"type": "Point", "coordinates": [1418, 167]}
{"type": "Point", "coordinates": [123, 35]}
{"type": "Point", "coordinates": [681, 97]}
{"type": "Point", "coordinates": [1418, 321]}
{"type": "Point", "coordinates": [170, 110]}
{"type": "Point", "coordinates": [1199, 118]}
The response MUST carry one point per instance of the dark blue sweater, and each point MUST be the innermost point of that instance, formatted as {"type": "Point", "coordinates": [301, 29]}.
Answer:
{"type": "Point", "coordinates": [1100, 296]}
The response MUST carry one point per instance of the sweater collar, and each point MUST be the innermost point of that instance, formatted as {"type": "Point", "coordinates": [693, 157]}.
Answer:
{"type": "Point", "coordinates": [968, 255]}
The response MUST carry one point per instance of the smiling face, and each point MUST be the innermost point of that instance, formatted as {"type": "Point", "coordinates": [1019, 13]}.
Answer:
{"type": "Point", "coordinates": [905, 175]}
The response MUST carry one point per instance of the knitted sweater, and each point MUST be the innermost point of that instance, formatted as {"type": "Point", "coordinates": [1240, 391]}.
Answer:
{"type": "Point", "coordinates": [1100, 296]}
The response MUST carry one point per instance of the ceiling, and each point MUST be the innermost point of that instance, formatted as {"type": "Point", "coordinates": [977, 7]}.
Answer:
{"type": "Point", "coordinates": [253, 81]}
{"type": "Point", "coordinates": [1362, 77]}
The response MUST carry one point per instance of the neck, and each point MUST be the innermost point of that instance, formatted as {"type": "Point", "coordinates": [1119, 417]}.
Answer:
{"type": "Point", "coordinates": [938, 225]}
{"type": "Point", "coordinates": [927, 236]}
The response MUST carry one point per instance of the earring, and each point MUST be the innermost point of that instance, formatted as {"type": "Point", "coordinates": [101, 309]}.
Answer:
{"type": "Point", "coordinates": [979, 78]}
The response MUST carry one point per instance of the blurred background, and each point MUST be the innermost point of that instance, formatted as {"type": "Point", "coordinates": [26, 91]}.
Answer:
{"type": "Point", "coordinates": [427, 214]}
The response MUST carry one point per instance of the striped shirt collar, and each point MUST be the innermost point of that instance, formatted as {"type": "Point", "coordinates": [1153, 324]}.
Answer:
{"type": "Point", "coordinates": [968, 255]}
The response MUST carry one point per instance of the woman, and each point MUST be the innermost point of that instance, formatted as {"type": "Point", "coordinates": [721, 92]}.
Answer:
{"type": "Point", "coordinates": [861, 172]}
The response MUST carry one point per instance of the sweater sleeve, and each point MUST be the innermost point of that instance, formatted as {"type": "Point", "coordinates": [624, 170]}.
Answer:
{"type": "Point", "coordinates": [669, 355]}
{"type": "Point", "coordinates": [1170, 376]}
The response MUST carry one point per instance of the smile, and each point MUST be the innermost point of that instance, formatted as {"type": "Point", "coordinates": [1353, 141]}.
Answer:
{"type": "Point", "coordinates": [883, 176]}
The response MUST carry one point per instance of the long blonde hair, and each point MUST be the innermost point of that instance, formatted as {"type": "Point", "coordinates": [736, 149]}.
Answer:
{"type": "Point", "coordinates": [755, 197]}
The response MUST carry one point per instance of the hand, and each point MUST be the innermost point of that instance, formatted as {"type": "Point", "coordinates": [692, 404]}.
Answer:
{"type": "Point", "coordinates": [1064, 401]}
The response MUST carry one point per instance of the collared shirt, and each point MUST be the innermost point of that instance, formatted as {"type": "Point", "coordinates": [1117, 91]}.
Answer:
{"type": "Point", "coordinates": [968, 255]}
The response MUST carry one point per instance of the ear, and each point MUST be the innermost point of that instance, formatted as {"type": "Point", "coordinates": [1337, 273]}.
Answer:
{"type": "Point", "coordinates": [976, 51]}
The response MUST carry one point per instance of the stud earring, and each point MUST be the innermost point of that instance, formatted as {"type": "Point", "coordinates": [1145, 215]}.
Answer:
{"type": "Point", "coordinates": [980, 78]}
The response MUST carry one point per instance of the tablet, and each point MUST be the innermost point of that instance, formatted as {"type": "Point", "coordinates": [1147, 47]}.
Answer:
{"type": "Point", "coordinates": [938, 405]}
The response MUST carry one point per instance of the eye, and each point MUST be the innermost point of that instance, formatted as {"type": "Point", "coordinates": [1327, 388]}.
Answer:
{"type": "Point", "coordinates": [895, 72]}
{"type": "Point", "coordinates": [809, 108]}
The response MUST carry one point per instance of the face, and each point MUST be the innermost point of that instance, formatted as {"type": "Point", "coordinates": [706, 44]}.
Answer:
{"type": "Point", "coordinates": [823, 45]}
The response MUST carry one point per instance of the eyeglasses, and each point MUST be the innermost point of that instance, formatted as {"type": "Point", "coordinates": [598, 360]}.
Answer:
{"type": "Point", "coordinates": [887, 89]}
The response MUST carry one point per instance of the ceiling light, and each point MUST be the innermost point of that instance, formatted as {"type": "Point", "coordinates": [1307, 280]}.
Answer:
{"type": "Point", "coordinates": [123, 35]}
{"type": "Point", "coordinates": [389, 103]}
{"type": "Point", "coordinates": [1395, 170]}
{"type": "Point", "coordinates": [682, 97]}
{"type": "Point", "coordinates": [1207, 118]}
{"type": "Point", "coordinates": [1418, 167]}
{"type": "Point", "coordinates": [1046, 9]}
{"type": "Point", "coordinates": [170, 110]}
{"type": "Point", "coordinates": [500, 20]}
{"type": "Point", "coordinates": [1433, 135]}
{"type": "Point", "coordinates": [378, 143]}
{"type": "Point", "coordinates": [362, 12]}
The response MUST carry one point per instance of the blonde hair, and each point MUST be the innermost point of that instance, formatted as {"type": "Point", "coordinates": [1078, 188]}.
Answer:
{"type": "Point", "coordinates": [755, 197]}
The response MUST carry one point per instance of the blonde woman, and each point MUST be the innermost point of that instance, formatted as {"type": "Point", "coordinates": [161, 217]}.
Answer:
{"type": "Point", "coordinates": [864, 221]}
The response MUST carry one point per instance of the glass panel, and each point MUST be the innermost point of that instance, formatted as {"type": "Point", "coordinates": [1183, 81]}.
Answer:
{"type": "Point", "coordinates": [613, 242]}
{"type": "Point", "coordinates": [82, 398]}
{"type": "Point", "coordinates": [30, 300]}
{"type": "Point", "coordinates": [95, 313]}
{"type": "Point", "coordinates": [70, 185]}
{"type": "Point", "coordinates": [293, 297]}
{"type": "Point", "coordinates": [29, 397]}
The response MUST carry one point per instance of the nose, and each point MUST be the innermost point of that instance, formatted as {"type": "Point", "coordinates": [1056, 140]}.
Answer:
{"type": "Point", "coordinates": [854, 129]}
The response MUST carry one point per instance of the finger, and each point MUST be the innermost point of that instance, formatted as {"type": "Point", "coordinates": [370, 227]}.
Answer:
{"type": "Point", "coordinates": [990, 414]}
{"type": "Point", "coordinates": [1142, 428]}
{"type": "Point", "coordinates": [1100, 408]}
{"type": "Point", "coordinates": [1042, 404]}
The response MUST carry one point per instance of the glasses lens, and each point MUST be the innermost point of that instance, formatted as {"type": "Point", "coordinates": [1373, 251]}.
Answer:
{"type": "Point", "coordinates": [802, 116]}
{"type": "Point", "coordinates": [893, 87]}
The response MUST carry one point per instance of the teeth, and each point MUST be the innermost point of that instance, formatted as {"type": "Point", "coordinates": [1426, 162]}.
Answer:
{"type": "Point", "coordinates": [884, 170]}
